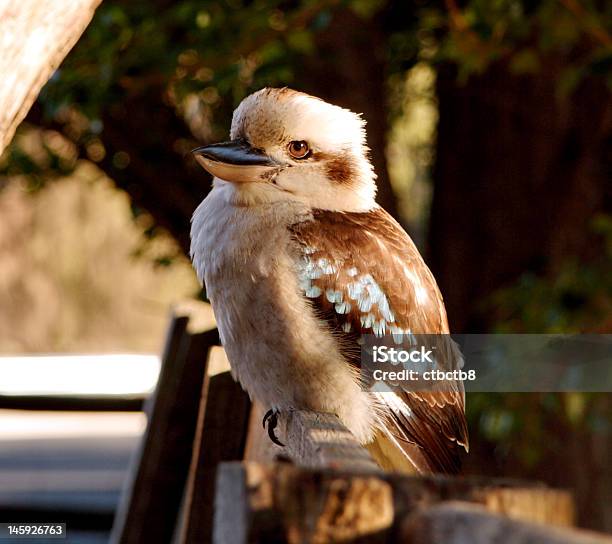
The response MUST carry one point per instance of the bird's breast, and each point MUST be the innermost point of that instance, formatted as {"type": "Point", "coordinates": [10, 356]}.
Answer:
{"type": "Point", "coordinates": [280, 351]}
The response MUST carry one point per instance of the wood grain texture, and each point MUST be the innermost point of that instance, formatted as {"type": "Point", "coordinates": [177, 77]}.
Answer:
{"type": "Point", "coordinates": [282, 503]}
{"type": "Point", "coordinates": [285, 503]}
{"type": "Point", "coordinates": [221, 433]}
{"type": "Point", "coordinates": [150, 503]}
{"type": "Point", "coordinates": [35, 36]}
{"type": "Point", "coordinates": [462, 523]}
{"type": "Point", "coordinates": [315, 439]}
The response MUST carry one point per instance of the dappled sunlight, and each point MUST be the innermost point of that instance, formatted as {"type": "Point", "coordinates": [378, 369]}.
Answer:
{"type": "Point", "coordinates": [411, 143]}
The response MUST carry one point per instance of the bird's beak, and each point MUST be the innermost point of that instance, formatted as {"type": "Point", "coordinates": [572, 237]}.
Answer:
{"type": "Point", "coordinates": [236, 161]}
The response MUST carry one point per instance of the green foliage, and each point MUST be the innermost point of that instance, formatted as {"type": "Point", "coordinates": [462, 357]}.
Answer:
{"type": "Point", "coordinates": [526, 431]}
{"type": "Point", "coordinates": [218, 50]}
{"type": "Point", "coordinates": [526, 35]}
{"type": "Point", "coordinates": [42, 156]}
{"type": "Point", "coordinates": [577, 298]}
{"type": "Point", "coordinates": [222, 49]}
{"type": "Point", "coordinates": [203, 56]}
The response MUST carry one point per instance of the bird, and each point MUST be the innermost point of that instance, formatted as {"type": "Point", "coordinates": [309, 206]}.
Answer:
{"type": "Point", "coordinates": [299, 262]}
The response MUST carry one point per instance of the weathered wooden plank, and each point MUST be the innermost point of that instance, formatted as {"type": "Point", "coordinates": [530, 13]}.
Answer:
{"type": "Point", "coordinates": [151, 499]}
{"type": "Point", "coordinates": [527, 501]}
{"type": "Point", "coordinates": [282, 503]}
{"type": "Point", "coordinates": [221, 436]}
{"type": "Point", "coordinates": [315, 439]}
{"type": "Point", "coordinates": [545, 505]}
{"type": "Point", "coordinates": [285, 503]}
{"type": "Point", "coordinates": [35, 36]}
{"type": "Point", "coordinates": [463, 523]}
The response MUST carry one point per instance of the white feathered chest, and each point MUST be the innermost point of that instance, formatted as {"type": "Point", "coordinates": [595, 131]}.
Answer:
{"type": "Point", "coordinates": [282, 354]}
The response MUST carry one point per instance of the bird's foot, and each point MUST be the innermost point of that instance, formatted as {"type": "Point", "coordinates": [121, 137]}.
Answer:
{"type": "Point", "coordinates": [270, 422]}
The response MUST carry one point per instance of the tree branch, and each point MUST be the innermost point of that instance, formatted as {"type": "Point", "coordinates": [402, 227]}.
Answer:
{"type": "Point", "coordinates": [35, 36]}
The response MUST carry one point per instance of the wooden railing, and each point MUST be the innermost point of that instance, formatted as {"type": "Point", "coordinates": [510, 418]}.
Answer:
{"type": "Point", "coordinates": [207, 472]}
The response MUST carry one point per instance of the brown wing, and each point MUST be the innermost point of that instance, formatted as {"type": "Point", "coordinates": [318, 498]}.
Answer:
{"type": "Point", "coordinates": [364, 275]}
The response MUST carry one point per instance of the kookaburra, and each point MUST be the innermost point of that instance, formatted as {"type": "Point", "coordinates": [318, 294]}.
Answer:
{"type": "Point", "coordinates": [299, 261]}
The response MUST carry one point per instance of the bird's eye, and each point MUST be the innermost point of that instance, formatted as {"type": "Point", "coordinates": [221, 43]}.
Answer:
{"type": "Point", "coordinates": [299, 149]}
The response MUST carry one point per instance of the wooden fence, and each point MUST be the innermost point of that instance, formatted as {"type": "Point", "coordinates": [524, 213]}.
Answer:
{"type": "Point", "coordinates": [207, 472]}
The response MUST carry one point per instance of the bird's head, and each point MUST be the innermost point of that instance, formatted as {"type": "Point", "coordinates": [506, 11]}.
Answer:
{"type": "Point", "coordinates": [287, 145]}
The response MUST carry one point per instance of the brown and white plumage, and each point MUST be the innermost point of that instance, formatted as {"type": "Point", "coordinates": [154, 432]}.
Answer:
{"type": "Point", "coordinates": [299, 262]}
{"type": "Point", "coordinates": [340, 248]}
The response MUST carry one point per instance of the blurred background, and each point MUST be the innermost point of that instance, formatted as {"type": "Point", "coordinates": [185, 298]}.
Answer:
{"type": "Point", "coordinates": [490, 124]}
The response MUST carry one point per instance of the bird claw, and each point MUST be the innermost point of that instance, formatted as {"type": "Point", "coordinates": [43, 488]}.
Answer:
{"type": "Point", "coordinates": [271, 420]}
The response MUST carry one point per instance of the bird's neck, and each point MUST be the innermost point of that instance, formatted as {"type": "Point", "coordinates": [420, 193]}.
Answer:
{"type": "Point", "coordinates": [262, 195]}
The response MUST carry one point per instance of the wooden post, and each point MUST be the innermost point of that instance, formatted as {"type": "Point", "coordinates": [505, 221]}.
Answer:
{"type": "Point", "coordinates": [150, 502]}
{"type": "Point", "coordinates": [35, 36]}
{"type": "Point", "coordinates": [285, 503]}
{"type": "Point", "coordinates": [221, 435]}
